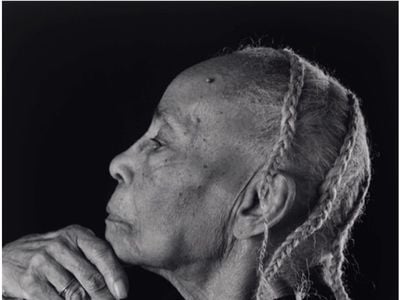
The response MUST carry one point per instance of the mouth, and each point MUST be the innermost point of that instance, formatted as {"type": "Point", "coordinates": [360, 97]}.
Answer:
{"type": "Point", "coordinates": [114, 219]}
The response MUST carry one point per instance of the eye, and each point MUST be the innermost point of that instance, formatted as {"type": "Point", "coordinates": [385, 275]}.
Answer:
{"type": "Point", "coordinates": [157, 143]}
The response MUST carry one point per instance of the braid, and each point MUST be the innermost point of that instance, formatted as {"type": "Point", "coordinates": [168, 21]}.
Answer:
{"type": "Point", "coordinates": [287, 131]}
{"type": "Point", "coordinates": [334, 269]}
{"type": "Point", "coordinates": [289, 115]}
{"type": "Point", "coordinates": [328, 192]}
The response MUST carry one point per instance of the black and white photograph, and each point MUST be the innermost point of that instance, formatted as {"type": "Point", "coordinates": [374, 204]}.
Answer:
{"type": "Point", "coordinates": [200, 150]}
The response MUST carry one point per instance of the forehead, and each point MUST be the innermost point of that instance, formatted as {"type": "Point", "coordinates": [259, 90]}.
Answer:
{"type": "Point", "coordinates": [210, 98]}
{"type": "Point", "coordinates": [214, 85]}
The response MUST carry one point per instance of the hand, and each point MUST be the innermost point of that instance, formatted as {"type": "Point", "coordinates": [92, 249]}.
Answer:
{"type": "Point", "coordinates": [41, 266]}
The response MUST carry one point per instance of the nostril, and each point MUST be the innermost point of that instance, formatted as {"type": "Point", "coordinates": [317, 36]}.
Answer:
{"type": "Point", "coordinates": [118, 177]}
{"type": "Point", "coordinates": [120, 169]}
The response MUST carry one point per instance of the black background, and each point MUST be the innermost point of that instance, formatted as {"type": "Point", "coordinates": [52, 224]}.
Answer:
{"type": "Point", "coordinates": [80, 82]}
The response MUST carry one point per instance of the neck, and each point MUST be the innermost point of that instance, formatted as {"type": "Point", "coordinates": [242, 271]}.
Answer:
{"type": "Point", "coordinates": [234, 277]}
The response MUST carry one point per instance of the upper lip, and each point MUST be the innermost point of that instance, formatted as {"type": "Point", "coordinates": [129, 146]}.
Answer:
{"type": "Point", "coordinates": [114, 218]}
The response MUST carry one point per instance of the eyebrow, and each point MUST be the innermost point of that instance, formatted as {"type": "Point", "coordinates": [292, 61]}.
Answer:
{"type": "Point", "coordinates": [159, 112]}
{"type": "Point", "coordinates": [162, 113]}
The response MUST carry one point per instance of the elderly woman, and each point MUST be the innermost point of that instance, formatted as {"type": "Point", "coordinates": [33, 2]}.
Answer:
{"type": "Point", "coordinates": [250, 177]}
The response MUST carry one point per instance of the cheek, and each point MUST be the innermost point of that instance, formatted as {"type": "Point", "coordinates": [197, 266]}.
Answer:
{"type": "Point", "coordinates": [177, 170]}
{"type": "Point", "coordinates": [164, 188]}
{"type": "Point", "coordinates": [162, 209]}
{"type": "Point", "coordinates": [173, 189]}
{"type": "Point", "coordinates": [205, 235]}
{"type": "Point", "coordinates": [191, 209]}
{"type": "Point", "coordinates": [173, 207]}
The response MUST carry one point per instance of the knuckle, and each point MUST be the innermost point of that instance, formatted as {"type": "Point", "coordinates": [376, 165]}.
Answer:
{"type": "Point", "coordinates": [28, 282]}
{"type": "Point", "coordinates": [78, 293]}
{"type": "Point", "coordinates": [71, 228]}
{"type": "Point", "coordinates": [95, 282]}
{"type": "Point", "coordinates": [38, 259]}
{"type": "Point", "coordinates": [100, 250]}
{"type": "Point", "coordinates": [78, 229]}
{"type": "Point", "coordinates": [56, 245]}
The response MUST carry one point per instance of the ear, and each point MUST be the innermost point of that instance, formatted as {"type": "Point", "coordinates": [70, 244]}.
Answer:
{"type": "Point", "coordinates": [250, 218]}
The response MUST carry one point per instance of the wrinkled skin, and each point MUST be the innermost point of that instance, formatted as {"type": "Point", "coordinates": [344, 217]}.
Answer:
{"type": "Point", "coordinates": [40, 266]}
{"type": "Point", "coordinates": [175, 205]}
{"type": "Point", "coordinates": [178, 181]}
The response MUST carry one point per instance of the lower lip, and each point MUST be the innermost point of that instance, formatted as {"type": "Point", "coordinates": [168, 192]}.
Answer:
{"type": "Point", "coordinates": [116, 225]}
{"type": "Point", "coordinates": [112, 220]}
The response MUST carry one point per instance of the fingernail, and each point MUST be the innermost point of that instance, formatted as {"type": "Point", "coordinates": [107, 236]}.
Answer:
{"type": "Point", "coordinates": [120, 289]}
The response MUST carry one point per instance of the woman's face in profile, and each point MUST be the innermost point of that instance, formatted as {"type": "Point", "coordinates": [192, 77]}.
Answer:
{"type": "Point", "coordinates": [177, 183]}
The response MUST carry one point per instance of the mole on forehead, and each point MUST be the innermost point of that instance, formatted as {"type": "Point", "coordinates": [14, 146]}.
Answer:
{"type": "Point", "coordinates": [221, 82]}
{"type": "Point", "coordinates": [219, 70]}
{"type": "Point", "coordinates": [203, 85]}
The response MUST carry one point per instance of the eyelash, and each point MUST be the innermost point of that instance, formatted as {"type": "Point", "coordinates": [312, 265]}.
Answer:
{"type": "Point", "coordinates": [158, 143]}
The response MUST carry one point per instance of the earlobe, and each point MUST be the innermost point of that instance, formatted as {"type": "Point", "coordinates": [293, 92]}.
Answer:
{"type": "Point", "coordinates": [253, 211]}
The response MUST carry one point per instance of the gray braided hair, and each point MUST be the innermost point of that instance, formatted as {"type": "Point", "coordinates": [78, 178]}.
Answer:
{"type": "Point", "coordinates": [287, 132]}
{"type": "Point", "coordinates": [343, 181]}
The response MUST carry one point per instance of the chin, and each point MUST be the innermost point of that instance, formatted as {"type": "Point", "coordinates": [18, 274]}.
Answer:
{"type": "Point", "coordinates": [122, 244]}
{"type": "Point", "coordinates": [151, 255]}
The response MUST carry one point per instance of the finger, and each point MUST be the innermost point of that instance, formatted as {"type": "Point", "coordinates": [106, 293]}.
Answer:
{"type": "Point", "coordinates": [86, 273]}
{"type": "Point", "coordinates": [47, 267]}
{"type": "Point", "coordinates": [43, 291]}
{"type": "Point", "coordinates": [60, 278]}
{"type": "Point", "coordinates": [103, 257]}
{"type": "Point", "coordinates": [11, 282]}
{"type": "Point", "coordinates": [75, 291]}
{"type": "Point", "coordinates": [36, 288]}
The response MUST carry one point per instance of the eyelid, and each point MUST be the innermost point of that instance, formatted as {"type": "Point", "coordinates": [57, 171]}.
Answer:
{"type": "Point", "coordinates": [157, 141]}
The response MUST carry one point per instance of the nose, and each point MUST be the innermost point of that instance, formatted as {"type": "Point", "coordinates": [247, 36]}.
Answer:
{"type": "Point", "coordinates": [120, 169]}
